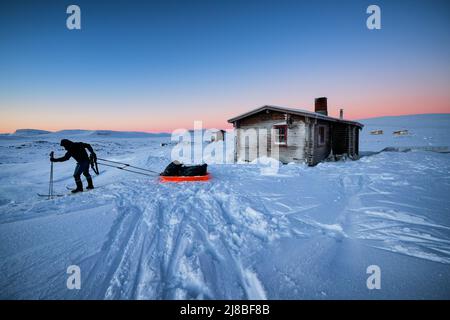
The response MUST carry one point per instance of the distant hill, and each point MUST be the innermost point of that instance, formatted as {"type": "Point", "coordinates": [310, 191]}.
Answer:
{"type": "Point", "coordinates": [30, 132]}
{"type": "Point", "coordinates": [414, 120]}
{"type": "Point", "coordinates": [110, 133]}
{"type": "Point", "coordinates": [86, 133]}
{"type": "Point", "coordinates": [423, 130]}
{"type": "Point", "coordinates": [127, 134]}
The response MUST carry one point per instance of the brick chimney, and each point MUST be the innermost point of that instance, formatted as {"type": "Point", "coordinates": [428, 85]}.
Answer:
{"type": "Point", "coordinates": [341, 114]}
{"type": "Point", "coordinates": [320, 105]}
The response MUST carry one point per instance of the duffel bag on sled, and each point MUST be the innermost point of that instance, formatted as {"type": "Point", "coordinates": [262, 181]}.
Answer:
{"type": "Point", "coordinates": [178, 172]}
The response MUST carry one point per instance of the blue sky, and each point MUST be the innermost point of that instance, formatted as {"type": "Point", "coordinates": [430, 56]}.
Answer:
{"type": "Point", "coordinates": [159, 65]}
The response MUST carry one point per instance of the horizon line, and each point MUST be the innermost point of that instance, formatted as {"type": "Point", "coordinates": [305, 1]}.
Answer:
{"type": "Point", "coordinates": [206, 128]}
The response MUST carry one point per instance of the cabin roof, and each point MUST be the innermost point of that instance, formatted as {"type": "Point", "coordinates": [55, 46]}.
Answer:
{"type": "Point", "coordinates": [300, 112]}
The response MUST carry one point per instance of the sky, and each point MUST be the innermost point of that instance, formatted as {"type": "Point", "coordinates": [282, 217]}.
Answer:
{"type": "Point", "coordinates": [159, 65]}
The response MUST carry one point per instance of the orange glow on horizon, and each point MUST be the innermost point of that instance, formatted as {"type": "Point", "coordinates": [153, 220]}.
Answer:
{"type": "Point", "coordinates": [218, 125]}
{"type": "Point", "coordinates": [146, 120]}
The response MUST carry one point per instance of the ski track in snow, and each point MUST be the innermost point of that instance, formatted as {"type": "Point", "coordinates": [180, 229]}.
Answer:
{"type": "Point", "coordinates": [136, 238]}
{"type": "Point", "coordinates": [178, 255]}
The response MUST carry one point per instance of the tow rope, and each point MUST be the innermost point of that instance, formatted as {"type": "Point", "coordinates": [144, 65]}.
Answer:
{"type": "Point", "coordinates": [122, 166]}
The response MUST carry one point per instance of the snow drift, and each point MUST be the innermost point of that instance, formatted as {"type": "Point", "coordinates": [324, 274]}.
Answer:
{"type": "Point", "coordinates": [301, 233]}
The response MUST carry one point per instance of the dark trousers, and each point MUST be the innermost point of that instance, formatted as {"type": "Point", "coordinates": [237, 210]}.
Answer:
{"type": "Point", "coordinates": [81, 168]}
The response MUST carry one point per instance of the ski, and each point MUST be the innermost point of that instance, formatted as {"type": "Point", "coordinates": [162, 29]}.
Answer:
{"type": "Point", "coordinates": [50, 196]}
{"type": "Point", "coordinates": [84, 190]}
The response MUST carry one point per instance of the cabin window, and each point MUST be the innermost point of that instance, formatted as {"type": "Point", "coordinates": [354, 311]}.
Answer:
{"type": "Point", "coordinates": [280, 134]}
{"type": "Point", "coordinates": [321, 135]}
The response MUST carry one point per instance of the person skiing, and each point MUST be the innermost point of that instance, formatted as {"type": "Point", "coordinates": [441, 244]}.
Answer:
{"type": "Point", "coordinates": [77, 150]}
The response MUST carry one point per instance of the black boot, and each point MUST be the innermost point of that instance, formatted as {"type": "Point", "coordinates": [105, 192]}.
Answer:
{"type": "Point", "coordinates": [90, 185]}
{"type": "Point", "coordinates": [79, 187]}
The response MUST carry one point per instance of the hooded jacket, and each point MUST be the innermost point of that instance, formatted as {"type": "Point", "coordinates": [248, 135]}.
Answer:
{"type": "Point", "coordinates": [77, 150]}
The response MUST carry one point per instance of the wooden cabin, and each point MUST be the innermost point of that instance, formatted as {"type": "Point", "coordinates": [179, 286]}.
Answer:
{"type": "Point", "coordinates": [297, 135]}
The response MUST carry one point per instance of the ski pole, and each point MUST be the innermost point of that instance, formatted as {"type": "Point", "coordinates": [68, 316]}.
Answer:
{"type": "Point", "coordinates": [94, 164]}
{"type": "Point", "coordinates": [50, 185]}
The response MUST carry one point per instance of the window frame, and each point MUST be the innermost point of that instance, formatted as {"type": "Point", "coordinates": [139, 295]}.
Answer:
{"type": "Point", "coordinates": [277, 134]}
{"type": "Point", "coordinates": [319, 142]}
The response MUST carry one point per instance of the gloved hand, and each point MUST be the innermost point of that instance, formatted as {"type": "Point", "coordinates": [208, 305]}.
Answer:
{"type": "Point", "coordinates": [52, 159]}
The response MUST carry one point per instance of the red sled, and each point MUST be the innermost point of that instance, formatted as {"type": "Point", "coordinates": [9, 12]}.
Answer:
{"type": "Point", "coordinates": [184, 178]}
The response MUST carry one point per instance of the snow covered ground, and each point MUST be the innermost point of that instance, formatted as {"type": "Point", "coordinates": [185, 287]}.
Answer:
{"type": "Point", "coordinates": [303, 233]}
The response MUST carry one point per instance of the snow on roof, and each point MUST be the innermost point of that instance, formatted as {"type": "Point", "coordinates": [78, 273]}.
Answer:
{"type": "Point", "coordinates": [301, 112]}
